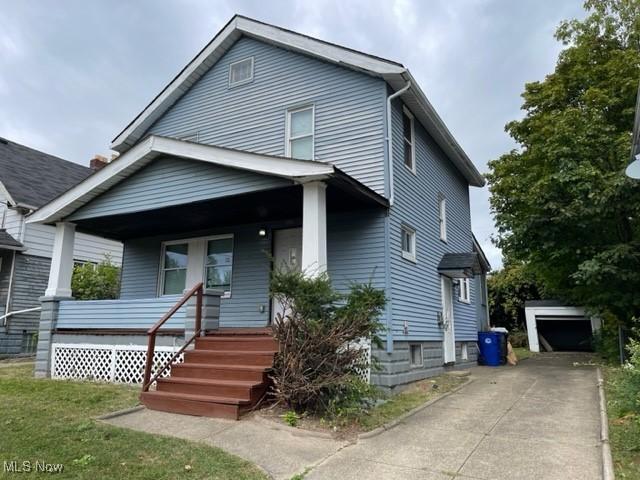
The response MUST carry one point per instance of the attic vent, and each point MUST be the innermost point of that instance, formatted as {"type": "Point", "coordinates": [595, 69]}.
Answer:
{"type": "Point", "coordinates": [241, 72]}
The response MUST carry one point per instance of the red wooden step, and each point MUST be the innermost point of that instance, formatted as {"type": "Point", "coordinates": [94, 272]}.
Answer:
{"type": "Point", "coordinates": [241, 331]}
{"type": "Point", "coordinates": [225, 357]}
{"type": "Point", "coordinates": [201, 405]}
{"type": "Point", "coordinates": [219, 371]}
{"type": "Point", "coordinates": [237, 342]}
{"type": "Point", "coordinates": [218, 388]}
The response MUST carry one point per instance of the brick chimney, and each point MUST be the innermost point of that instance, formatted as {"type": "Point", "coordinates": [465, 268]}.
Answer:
{"type": "Point", "coordinates": [98, 162]}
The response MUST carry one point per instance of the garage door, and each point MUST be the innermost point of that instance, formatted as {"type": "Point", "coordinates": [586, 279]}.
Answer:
{"type": "Point", "coordinates": [565, 334]}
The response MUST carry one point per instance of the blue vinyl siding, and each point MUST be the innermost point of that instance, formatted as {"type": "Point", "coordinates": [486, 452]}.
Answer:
{"type": "Point", "coordinates": [138, 313]}
{"type": "Point", "coordinates": [349, 109]}
{"type": "Point", "coordinates": [355, 254]}
{"type": "Point", "coordinates": [416, 290]}
{"type": "Point", "coordinates": [174, 181]}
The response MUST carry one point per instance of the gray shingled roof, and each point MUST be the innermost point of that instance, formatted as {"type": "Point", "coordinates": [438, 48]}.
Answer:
{"type": "Point", "coordinates": [33, 178]}
{"type": "Point", "coordinates": [460, 261]}
{"type": "Point", "coordinates": [7, 241]}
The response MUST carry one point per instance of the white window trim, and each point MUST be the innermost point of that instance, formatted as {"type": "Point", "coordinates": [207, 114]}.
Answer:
{"type": "Point", "coordinates": [411, 256]}
{"type": "Point", "coordinates": [287, 129]}
{"type": "Point", "coordinates": [467, 290]}
{"type": "Point", "coordinates": [246, 80]}
{"type": "Point", "coordinates": [416, 365]}
{"type": "Point", "coordinates": [193, 249]}
{"type": "Point", "coordinates": [204, 259]}
{"type": "Point", "coordinates": [162, 270]}
{"type": "Point", "coordinates": [412, 169]}
{"type": "Point", "coordinates": [442, 217]}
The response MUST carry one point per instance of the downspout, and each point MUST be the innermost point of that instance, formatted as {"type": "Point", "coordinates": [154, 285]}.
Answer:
{"type": "Point", "coordinates": [387, 227]}
{"type": "Point", "coordinates": [390, 137]}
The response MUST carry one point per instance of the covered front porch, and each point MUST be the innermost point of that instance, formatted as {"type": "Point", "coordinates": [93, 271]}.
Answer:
{"type": "Point", "coordinates": [187, 217]}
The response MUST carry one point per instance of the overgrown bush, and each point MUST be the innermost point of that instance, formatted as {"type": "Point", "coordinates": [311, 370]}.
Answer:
{"type": "Point", "coordinates": [627, 384]}
{"type": "Point", "coordinates": [92, 281]}
{"type": "Point", "coordinates": [318, 334]}
{"type": "Point", "coordinates": [518, 338]}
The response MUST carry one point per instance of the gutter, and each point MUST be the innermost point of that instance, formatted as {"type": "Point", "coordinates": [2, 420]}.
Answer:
{"type": "Point", "coordinates": [390, 138]}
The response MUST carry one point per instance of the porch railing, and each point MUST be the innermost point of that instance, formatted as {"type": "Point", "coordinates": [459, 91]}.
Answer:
{"type": "Point", "coordinates": [197, 290]}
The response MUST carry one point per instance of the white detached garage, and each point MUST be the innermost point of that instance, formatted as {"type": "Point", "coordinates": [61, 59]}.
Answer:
{"type": "Point", "coordinates": [559, 327]}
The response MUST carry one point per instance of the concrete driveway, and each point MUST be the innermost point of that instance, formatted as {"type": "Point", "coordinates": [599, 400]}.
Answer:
{"type": "Point", "coordinates": [538, 420]}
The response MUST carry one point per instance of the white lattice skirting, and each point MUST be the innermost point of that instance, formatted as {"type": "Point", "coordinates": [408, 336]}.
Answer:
{"type": "Point", "coordinates": [364, 344]}
{"type": "Point", "coordinates": [106, 363]}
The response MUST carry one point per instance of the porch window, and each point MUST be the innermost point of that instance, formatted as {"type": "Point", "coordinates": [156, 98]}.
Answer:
{"type": "Point", "coordinates": [408, 238]}
{"type": "Point", "coordinates": [409, 140]}
{"type": "Point", "coordinates": [219, 263]}
{"type": "Point", "coordinates": [300, 127]}
{"type": "Point", "coordinates": [174, 268]}
{"type": "Point", "coordinates": [465, 293]}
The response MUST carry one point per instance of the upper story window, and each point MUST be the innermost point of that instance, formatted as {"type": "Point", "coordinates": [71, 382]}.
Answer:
{"type": "Point", "coordinates": [241, 72]}
{"type": "Point", "coordinates": [442, 217]}
{"type": "Point", "coordinates": [174, 268]}
{"type": "Point", "coordinates": [408, 238]}
{"type": "Point", "coordinates": [300, 128]}
{"type": "Point", "coordinates": [465, 290]}
{"type": "Point", "coordinates": [409, 140]}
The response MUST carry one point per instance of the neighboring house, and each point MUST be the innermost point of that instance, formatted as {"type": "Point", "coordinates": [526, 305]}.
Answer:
{"type": "Point", "coordinates": [272, 143]}
{"type": "Point", "coordinates": [28, 180]}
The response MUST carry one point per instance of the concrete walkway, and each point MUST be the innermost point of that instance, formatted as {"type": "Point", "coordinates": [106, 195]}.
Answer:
{"type": "Point", "coordinates": [538, 420]}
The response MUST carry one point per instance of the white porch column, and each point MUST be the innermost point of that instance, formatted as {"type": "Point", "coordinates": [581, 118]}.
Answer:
{"type": "Point", "coordinates": [314, 228]}
{"type": "Point", "coordinates": [62, 261]}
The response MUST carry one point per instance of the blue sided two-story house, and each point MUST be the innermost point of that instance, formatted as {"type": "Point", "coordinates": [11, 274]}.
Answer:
{"type": "Point", "coordinates": [269, 147]}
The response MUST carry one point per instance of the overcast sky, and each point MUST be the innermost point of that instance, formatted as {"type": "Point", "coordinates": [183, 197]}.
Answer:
{"type": "Point", "coordinates": [74, 73]}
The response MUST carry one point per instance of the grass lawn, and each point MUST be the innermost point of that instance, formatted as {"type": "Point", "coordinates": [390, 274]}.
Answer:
{"type": "Point", "coordinates": [394, 406]}
{"type": "Point", "coordinates": [624, 426]}
{"type": "Point", "coordinates": [51, 421]}
{"type": "Point", "coordinates": [523, 352]}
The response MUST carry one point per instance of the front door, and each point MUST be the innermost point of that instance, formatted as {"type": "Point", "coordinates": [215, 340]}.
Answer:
{"type": "Point", "coordinates": [449, 339]}
{"type": "Point", "coordinates": [287, 253]}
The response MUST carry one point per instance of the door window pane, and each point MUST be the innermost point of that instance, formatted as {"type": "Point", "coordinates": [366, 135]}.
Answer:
{"type": "Point", "coordinates": [219, 265]}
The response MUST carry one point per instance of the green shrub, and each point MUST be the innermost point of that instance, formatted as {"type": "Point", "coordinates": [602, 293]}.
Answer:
{"type": "Point", "coordinates": [350, 399]}
{"type": "Point", "coordinates": [318, 334]}
{"type": "Point", "coordinates": [96, 282]}
{"type": "Point", "coordinates": [291, 418]}
{"type": "Point", "coordinates": [606, 341]}
{"type": "Point", "coordinates": [518, 338]}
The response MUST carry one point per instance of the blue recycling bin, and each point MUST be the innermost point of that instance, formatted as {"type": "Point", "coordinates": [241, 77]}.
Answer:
{"type": "Point", "coordinates": [490, 349]}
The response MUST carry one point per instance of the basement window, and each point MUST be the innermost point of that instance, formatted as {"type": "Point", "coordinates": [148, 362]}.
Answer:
{"type": "Point", "coordinates": [416, 358]}
{"type": "Point", "coordinates": [241, 72]}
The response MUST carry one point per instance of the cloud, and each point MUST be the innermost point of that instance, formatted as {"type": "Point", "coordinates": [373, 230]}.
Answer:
{"type": "Point", "coordinates": [74, 74]}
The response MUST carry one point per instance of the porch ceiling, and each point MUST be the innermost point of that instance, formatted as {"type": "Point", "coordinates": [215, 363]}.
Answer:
{"type": "Point", "coordinates": [265, 206]}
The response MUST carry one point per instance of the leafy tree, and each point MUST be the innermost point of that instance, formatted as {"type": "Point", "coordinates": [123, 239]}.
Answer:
{"type": "Point", "coordinates": [561, 201]}
{"type": "Point", "coordinates": [96, 282]}
{"type": "Point", "coordinates": [508, 289]}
